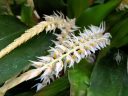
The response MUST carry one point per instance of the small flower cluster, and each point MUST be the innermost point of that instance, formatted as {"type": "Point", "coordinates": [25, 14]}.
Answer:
{"type": "Point", "coordinates": [123, 5]}
{"type": "Point", "coordinates": [71, 50]}
{"type": "Point", "coordinates": [67, 26]}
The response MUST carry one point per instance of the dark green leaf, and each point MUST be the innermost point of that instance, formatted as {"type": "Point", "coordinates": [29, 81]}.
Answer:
{"type": "Point", "coordinates": [17, 60]}
{"type": "Point", "coordinates": [10, 28]}
{"type": "Point", "coordinates": [109, 78]}
{"type": "Point", "coordinates": [120, 34]}
{"type": "Point", "coordinates": [76, 7]}
{"type": "Point", "coordinates": [95, 15]}
{"type": "Point", "coordinates": [114, 18]}
{"type": "Point", "coordinates": [54, 88]}
{"type": "Point", "coordinates": [79, 78]}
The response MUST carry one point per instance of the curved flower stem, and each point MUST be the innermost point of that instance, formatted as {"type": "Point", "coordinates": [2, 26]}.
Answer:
{"type": "Point", "coordinates": [17, 80]}
{"type": "Point", "coordinates": [23, 38]}
{"type": "Point", "coordinates": [52, 22]}
{"type": "Point", "coordinates": [28, 75]}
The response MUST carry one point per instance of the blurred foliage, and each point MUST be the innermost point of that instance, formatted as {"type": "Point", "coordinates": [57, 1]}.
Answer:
{"type": "Point", "coordinates": [56, 88]}
{"type": "Point", "coordinates": [74, 11]}
{"type": "Point", "coordinates": [109, 78]}
{"type": "Point", "coordinates": [105, 77]}
{"type": "Point", "coordinates": [79, 78]}
{"type": "Point", "coordinates": [5, 7]}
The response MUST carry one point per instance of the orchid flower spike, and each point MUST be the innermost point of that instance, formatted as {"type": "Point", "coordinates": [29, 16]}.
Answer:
{"type": "Point", "coordinates": [71, 51]}
{"type": "Point", "coordinates": [51, 22]}
{"type": "Point", "coordinates": [65, 54]}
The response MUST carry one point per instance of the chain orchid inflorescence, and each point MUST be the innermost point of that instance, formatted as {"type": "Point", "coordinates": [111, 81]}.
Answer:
{"type": "Point", "coordinates": [68, 50]}
{"type": "Point", "coordinates": [51, 22]}
{"type": "Point", "coordinates": [71, 50]}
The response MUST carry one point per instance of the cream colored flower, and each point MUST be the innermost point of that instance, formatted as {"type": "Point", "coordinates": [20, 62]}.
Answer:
{"type": "Point", "coordinates": [51, 23]}
{"type": "Point", "coordinates": [123, 5]}
{"type": "Point", "coordinates": [72, 50]}
{"type": "Point", "coordinates": [65, 54]}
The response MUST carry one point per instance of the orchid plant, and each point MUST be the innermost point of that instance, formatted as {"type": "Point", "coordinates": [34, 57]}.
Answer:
{"type": "Point", "coordinates": [78, 46]}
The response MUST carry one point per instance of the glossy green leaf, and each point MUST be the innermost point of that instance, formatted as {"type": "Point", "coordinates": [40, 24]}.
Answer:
{"type": "Point", "coordinates": [55, 88]}
{"type": "Point", "coordinates": [17, 60]}
{"type": "Point", "coordinates": [95, 15]}
{"type": "Point", "coordinates": [10, 28]}
{"type": "Point", "coordinates": [109, 78]}
{"type": "Point", "coordinates": [76, 7]}
{"type": "Point", "coordinates": [120, 34]}
{"type": "Point", "coordinates": [79, 78]}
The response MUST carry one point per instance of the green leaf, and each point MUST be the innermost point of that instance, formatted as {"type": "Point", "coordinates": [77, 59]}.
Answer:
{"type": "Point", "coordinates": [120, 34]}
{"type": "Point", "coordinates": [76, 7]}
{"type": "Point", "coordinates": [79, 78]}
{"type": "Point", "coordinates": [109, 78]}
{"type": "Point", "coordinates": [95, 15]}
{"type": "Point", "coordinates": [13, 63]}
{"type": "Point", "coordinates": [27, 15]}
{"type": "Point", "coordinates": [10, 28]}
{"type": "Point", "coordinates": [115, 18]}
{"type": "Point", "coordinates": [55, 88]}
